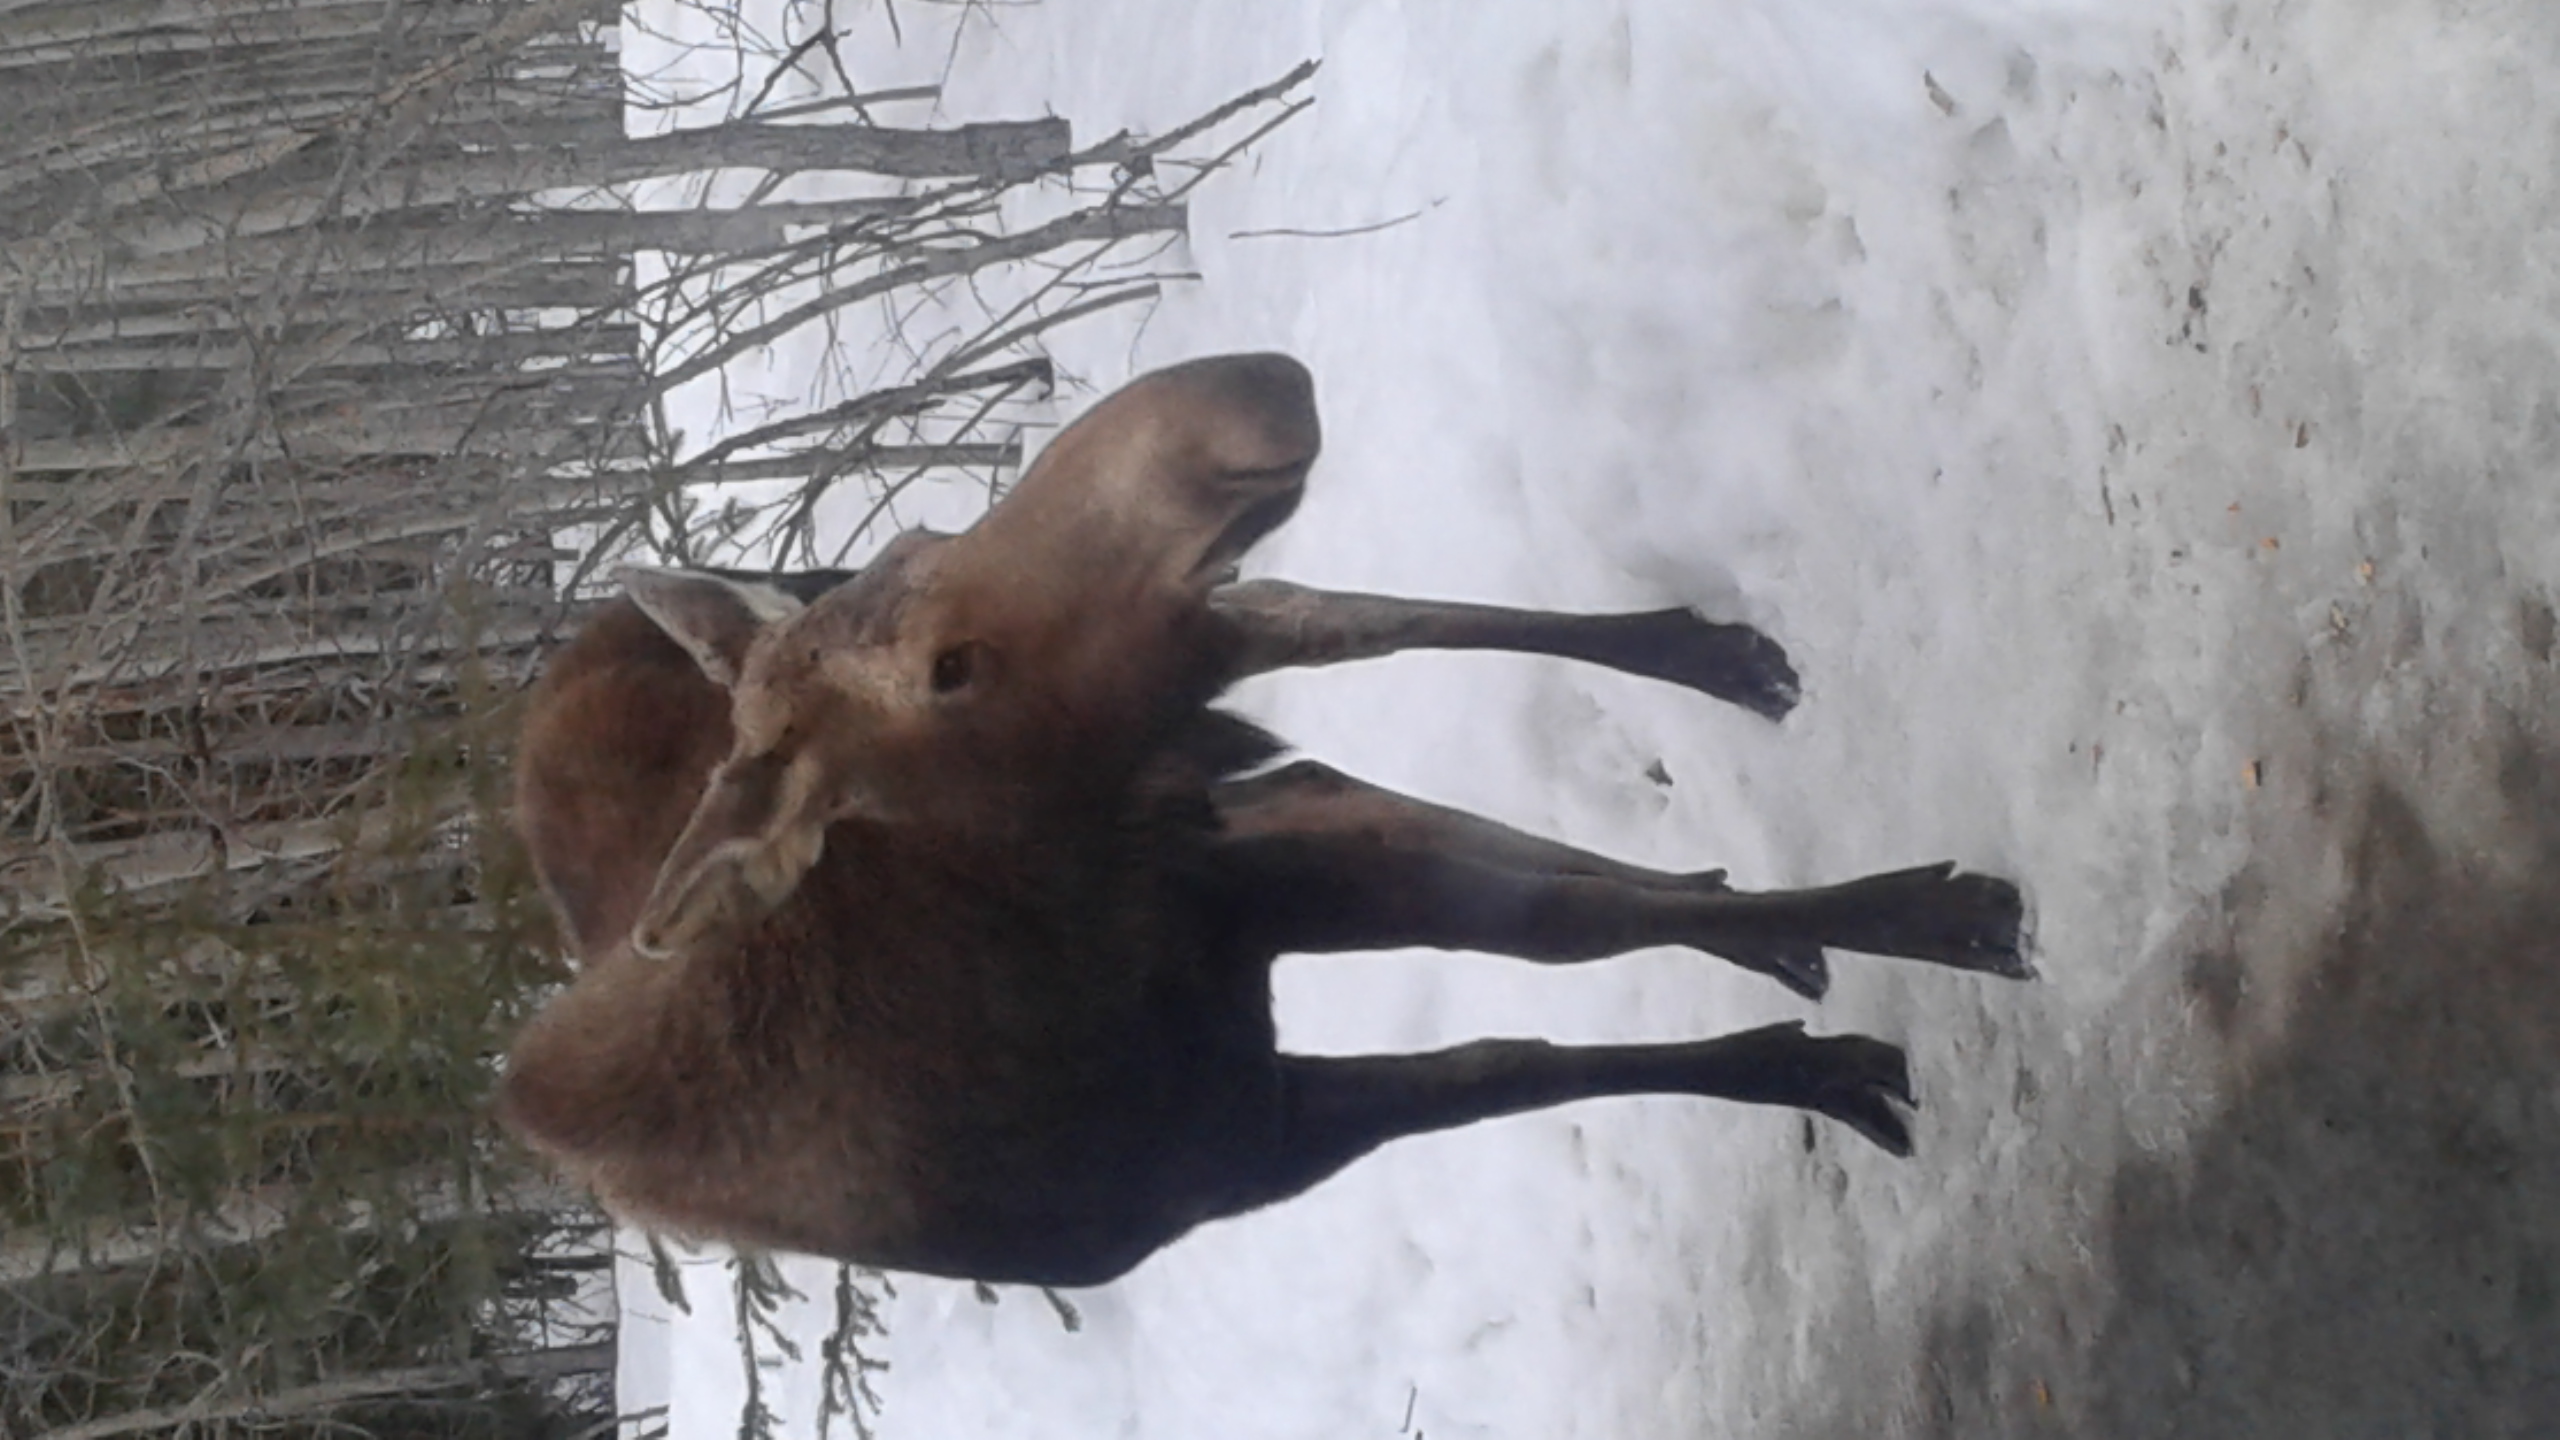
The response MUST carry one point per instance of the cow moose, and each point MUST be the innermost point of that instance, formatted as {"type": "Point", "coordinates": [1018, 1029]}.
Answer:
{"type": "Point", "coordinates": [924, 915]}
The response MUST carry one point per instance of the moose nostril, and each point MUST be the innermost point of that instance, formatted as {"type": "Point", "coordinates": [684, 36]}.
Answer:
{"type": "Point", "coordinates": [953, 668]}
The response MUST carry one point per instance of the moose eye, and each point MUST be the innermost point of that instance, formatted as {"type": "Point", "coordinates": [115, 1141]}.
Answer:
{"type": "Point", "coordinates": [954, 668]}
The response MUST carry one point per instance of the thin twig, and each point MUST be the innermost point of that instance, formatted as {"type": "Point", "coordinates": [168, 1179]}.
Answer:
{"type": "Point", "coordinates": [1344, 233]}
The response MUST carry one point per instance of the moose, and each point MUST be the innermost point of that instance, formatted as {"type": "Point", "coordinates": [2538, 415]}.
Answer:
{"type": "Point", "coordinates": [924, 914]}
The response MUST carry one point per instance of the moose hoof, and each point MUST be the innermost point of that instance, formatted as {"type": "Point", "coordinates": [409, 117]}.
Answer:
{"type": "Point", "coordinates": [1964, 922]}
{"type": "Point", "coordinates": [1865, 1085]}
{"type": "Point", "coordinates": [1985, 926]}
{"type": "Point", "coordinates": [1733, 663]}
{"type": "Point", "coordinates": [1768, 683]}
{"type": "Point", "coordinates": [1858, 1080]}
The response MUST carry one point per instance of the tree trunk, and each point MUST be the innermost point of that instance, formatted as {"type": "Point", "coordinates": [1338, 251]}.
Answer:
{"type": "Point", "coordinates": [311, 1401]}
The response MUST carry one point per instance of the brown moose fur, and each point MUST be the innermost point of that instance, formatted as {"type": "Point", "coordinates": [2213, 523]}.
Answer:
{"type": "Point", "coordinates": [928, 924]}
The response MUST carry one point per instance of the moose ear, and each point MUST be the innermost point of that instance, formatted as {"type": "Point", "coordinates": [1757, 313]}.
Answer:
{"type": "Point", "coordinates": [751, 839]}
{"type": "Point", "coordinates": [714, 618]}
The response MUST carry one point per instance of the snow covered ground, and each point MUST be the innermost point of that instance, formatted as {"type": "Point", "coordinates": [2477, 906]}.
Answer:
{"type": "Point", "coordinates": [2139, 421]}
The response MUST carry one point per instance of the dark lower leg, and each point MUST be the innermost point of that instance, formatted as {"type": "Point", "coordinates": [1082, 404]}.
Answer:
{"type": "Point", "coordinates": [1281, 625]}
{"type": "Point", "coordinates": [1306, 797]}
{"type": "Point", "coordinates": [1339, 1109]}
{"type": "Point", "coordinates": [1318, 862]}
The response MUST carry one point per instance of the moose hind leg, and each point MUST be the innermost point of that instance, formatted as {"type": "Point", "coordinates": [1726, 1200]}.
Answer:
{"type": "Point", "coordinates": [1337, 1109]}
{"type": "Point", "coordinates": [1309, 797]}
{"type": "Point", "coordinates": [1321, 862]}
{"type": "Point", "coordinates": [1332, 863]}
{"type": "Point", "coordinates": [1278, 626]}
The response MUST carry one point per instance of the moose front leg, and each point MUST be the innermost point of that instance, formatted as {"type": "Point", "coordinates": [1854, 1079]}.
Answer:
{"type": "Point", "coordinates": [1319, 862]}
{"type": "Point", "coordinates": [1281, 626]}
{"type": "Point", "coordinates": [1336, 1109]}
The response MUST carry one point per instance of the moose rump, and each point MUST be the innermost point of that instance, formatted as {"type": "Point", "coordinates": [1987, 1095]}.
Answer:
{"type": "Point", "coordinates": [923, 915]}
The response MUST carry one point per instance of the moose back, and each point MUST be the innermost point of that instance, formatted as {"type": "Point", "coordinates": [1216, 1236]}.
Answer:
{"type": "Point", "coordinates": [924, 915]}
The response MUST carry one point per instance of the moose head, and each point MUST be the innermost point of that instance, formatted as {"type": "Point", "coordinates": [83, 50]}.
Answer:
{"type": "Point", "coordinates": [951, 681]}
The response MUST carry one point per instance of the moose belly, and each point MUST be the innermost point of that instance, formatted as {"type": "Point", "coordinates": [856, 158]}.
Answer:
{"type": "Point", "coordinates": [1009, 1115]}
{"type": "Point", "coordinates": [1073, 1157]}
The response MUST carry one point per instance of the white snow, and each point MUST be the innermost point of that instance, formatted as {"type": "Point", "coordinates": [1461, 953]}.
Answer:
{"type": "Point", "coordinates": [2045, 376]}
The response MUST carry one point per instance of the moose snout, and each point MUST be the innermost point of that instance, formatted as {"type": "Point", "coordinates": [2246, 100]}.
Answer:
{"type": "Point", "coordinates": [1266, 406]}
